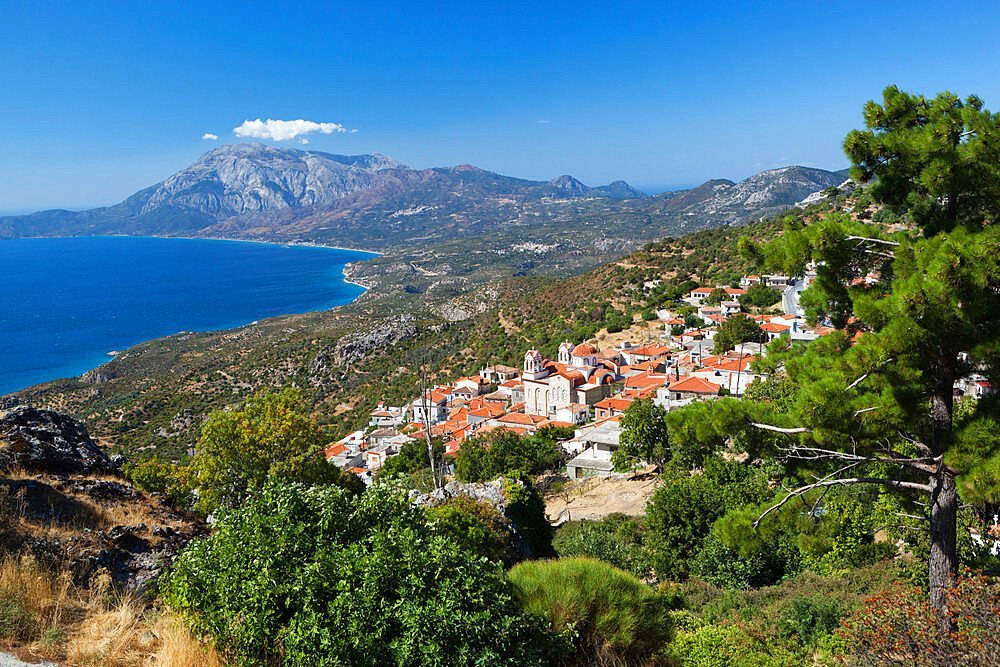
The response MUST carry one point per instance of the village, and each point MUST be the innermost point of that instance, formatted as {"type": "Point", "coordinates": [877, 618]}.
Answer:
{"type": "Point", "coordinates": [587, 389]}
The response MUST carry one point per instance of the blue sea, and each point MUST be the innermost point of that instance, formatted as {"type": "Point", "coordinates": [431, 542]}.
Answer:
{"type": "Point", "coordinates": [65, 303]}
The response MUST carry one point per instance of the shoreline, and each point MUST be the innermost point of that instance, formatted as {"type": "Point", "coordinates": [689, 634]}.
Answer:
{"type": "Point", "coordinates": [116, 353]}
{"type": "Point", "coordinates": [296, 244]}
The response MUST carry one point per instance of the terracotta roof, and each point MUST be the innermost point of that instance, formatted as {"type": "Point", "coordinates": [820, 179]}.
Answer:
{"type": "Point", "coordinates": [356, 470]}
{"type": "Point", "coordinates": [334, 450]}
{"type": "Point", "coordinates": [773, 327]}
{"type": "Point", "coordinates": [619, 404]}
{"type": "Point", "coordinates": [516, 418]}
{"type": "Point", "coordinates": [695, 385]}
{"type": "Point", "coordinates": [584, 349]}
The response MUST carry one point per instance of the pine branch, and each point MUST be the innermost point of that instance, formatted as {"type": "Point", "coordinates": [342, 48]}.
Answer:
{"type": "Point", "coordinates": [851, 481]}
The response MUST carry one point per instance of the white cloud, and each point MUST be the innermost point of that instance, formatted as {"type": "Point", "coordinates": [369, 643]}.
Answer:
{"type": "Point", "coordinates": [543, 122]}
{"type": "Point", "coordinates": [285, 130]}
{"type": "Point", "coordinates": [209, 135]}
{"type": "Point", "coordinates": [303, 140]}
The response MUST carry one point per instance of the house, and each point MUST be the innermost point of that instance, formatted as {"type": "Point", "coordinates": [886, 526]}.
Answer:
{"type": "Point", "coordinates": [747, 281]}
{"type": "Point", "coordinates": [773, 330]}
{"type": "Point", "coordinates": [611, 407]}
{"type": "Point", "coordinates": [385, 416]}
{"type": "Point", "coordinates": [698, 295]}
{"type": "Point", "coordinates": [596, 446]}
{"type": "Point", "coordinates": [498, 374]}
{"type": "Point", "coordinates": [380, 436]}
{"type": "Point", "coordinates": [577, 413]}
{"type": "Point", "coordinates": [730, 308]}
{"type": "Point", "coordinates": [432, 406]}
{"type": "Point", "coordinates": [685, 390]}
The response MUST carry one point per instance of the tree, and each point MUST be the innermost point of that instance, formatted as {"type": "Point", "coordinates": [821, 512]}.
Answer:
{"type": "Point", "coordinates": [505, 453]}
{"type": "Point", "coordinates": [760, 296]}
{"type": "Point", "coordinates": [734, 330]}
{"type": "Point", "coordinates": [715, 297]}
{"type": "Point", "coordinates": [412, 461]}
{"type": "Point", "coordinates": [644, 435]}
{"type": "Point", "coordinates": [313, 576]}
{"type": "Point", "coordinates": [937, 158]}
{"type": "Point", "coordinates": [271, 436]}
{"type": "Point", "coordinates": [875, 400]}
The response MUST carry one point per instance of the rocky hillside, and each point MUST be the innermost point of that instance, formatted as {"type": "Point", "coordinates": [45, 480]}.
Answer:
{"type": "Point", "coordinates": [65, 502]}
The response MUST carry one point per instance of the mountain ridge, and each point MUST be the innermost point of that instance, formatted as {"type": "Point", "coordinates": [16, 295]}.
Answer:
{"type": "Point", "coordinates": [261, 192]}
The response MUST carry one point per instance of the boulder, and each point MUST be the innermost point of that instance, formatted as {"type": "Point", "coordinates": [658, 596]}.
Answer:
{"type": "Point", "coordinates": [47, 441]}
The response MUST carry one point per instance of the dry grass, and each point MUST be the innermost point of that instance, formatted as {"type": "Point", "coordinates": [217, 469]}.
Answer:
{"type": "Point", "coordinates": [43, 616]}
{"type": "Point", "coordinates": [179, 647]}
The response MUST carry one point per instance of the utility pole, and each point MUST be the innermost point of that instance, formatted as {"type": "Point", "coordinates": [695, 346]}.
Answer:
{"type": "Point", "coordinates": [424, 400]}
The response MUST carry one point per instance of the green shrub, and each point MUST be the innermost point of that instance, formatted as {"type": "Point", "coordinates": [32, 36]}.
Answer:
{"type": "Point", "coordinates": [526, 509]}
{"type": "Point", "coordinates": [270, 437]}
{"type": "Point", "coordinates": [808, 619]}
{"type": "Point", "coordinates": [616, 540]}
{"type": "Point", "coordinates": [474, 526]}
{"type": "Point", "coordinates": [505, 453]}
{"type": "Point", "coordinates": [317, 577]}
{"type": "Point", "coordinates": [614, 616]}
{"type": "Point", "coordinates": [727, 646]}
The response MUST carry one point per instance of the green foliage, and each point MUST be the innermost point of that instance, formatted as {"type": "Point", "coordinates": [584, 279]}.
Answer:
{"type": "Point", "coordinates": [270, 437]}
{"type": "Point", "coordinates": [808, 619]}
{"type": "Point", "coordinates": [412, 459]}
{"type": "Point", "coordinates": [616, 540]}
{"type": "Point", "coordinates": [526, 509]}
{"type": "Point", "coordinates": [681, 513]}
{"type": "Point", "coordinates": [612, 615]}
{"type": "Point", "coordinates": [475, 527]}
{"type": "Point", "coordinates": [716, 296]}
{"type": "Point", "coordinates": [503, 452]}
{"type": "Point", "coordinates": [937, 158]}
{"type": "Point", "coordinates": [318, 577]}
{"type": "Point", "coordinates": [170, 479]}
{"type": "Point", "coordinates": [734, 330]}
{"type": "Point", "coordinates": [725, 646]}
{"type": "Point", "coordinates": [644, 435]}
{"type": "Point", "coordinates": [760, 296]}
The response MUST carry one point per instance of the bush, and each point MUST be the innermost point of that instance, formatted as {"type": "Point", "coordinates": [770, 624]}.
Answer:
{"type": "Point", "coordinates": [317, 577]}
{"type": "Point", "coordinates": [808, 619]}
{"type": "Point", "coordinates": [896, 628]}
{"type": "Point", "coordinates": [613, 615]}
{"type": "Point", "coordinates": [726, 646]}
{"type": "Point", "coordinates": [526, 508]}
{"type": "Point", "coordinates": [475, 527]}
{"type": "Point", "coordinates": [271, 437]}
{"type": "Point", "coordinates": [616, 540]}
{"type": "Point", "coordinates": [172, 480]}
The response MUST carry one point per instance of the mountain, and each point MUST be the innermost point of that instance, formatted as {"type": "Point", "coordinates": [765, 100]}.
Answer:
{"type": "Point", "coordinates": [263, 192]}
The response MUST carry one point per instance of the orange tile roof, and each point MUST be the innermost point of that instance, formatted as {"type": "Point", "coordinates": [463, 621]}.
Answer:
{"type": "Point", "coordinates": [695, 385]}
{"type": "Point", "coordinates": [334, 450]}
{"type": "Point", "coordinates": [517, 418]}
{"type": "Point", "coordinates": [773, 327]}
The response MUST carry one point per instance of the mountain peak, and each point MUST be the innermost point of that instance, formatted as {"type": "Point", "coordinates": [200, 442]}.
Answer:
{"type": "Point", "coordinates": [569, 184]}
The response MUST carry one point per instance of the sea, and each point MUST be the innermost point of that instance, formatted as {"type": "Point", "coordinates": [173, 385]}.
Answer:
{"type": "Point", "coordinates": [65, 303]}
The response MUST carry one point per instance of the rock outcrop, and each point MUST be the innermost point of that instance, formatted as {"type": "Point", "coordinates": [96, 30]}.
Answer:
{"type": "Point", "coordinates": [65, 501]}
{"type": "Point", "coordinates": [45, 441]}
{"type": "Point", "coordinates": [352, 348]}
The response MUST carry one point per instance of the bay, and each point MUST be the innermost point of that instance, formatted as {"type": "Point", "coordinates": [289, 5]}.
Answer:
{"type": "Point", "coordinates": [66, 302]}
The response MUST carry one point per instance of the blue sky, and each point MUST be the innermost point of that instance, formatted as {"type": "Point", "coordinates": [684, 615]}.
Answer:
{"type": "Point", "coordinates": [98, 100]}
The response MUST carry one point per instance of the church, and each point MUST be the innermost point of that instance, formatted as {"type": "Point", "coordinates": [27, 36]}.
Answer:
{"type": "Point", "coordinates": [580, 377]}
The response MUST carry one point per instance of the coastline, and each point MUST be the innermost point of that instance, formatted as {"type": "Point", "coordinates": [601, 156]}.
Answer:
{"type": "Point", "coordinates": [115, 353]}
